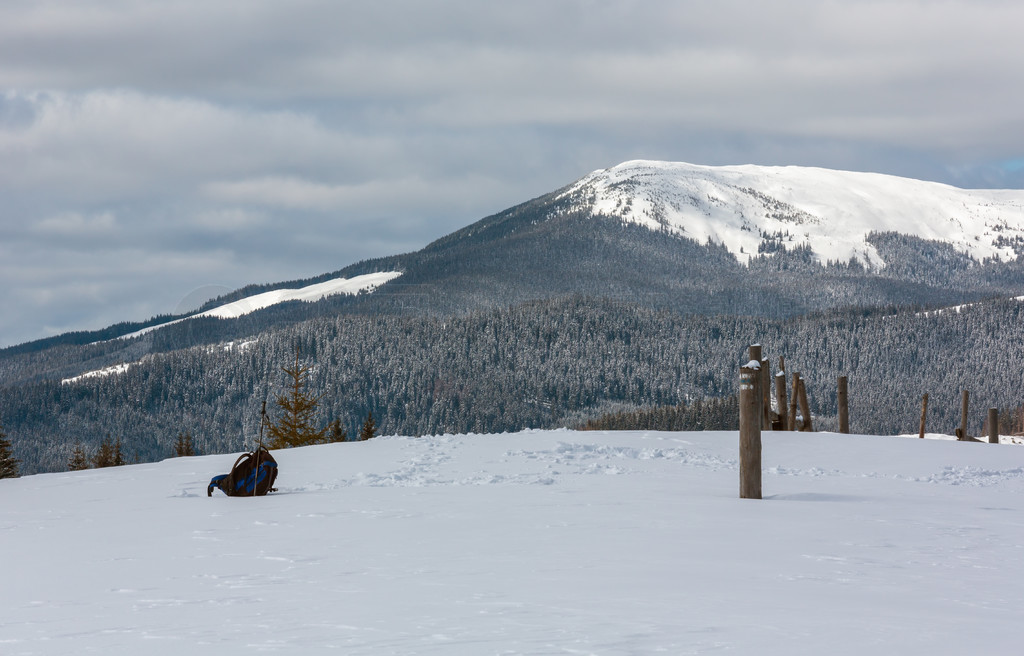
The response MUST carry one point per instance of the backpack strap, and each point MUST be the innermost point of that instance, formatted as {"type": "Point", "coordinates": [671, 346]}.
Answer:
{"type": "Point", "coordinates": [216, 481]}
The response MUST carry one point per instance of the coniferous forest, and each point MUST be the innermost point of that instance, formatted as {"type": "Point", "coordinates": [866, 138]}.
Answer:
{"type": "Point", "coordinates": [549, 363]}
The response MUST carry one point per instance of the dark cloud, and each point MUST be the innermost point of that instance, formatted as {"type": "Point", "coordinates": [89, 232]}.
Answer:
{"type": "Point", "coordinates": [151, 149]}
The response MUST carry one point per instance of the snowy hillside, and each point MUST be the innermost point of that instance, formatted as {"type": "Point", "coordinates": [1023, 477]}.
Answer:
{"type": "Point", "coordinates": [545, 542]}
{"type": "Point", "coordinates": [831, 211]}
{"type": "Point", "coordinates": [309, 294]}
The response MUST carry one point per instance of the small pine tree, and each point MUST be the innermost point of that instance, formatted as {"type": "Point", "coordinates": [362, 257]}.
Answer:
{"type": "Point", "coordinates": [183, 446]}
{"type": "Point", "coordinates": [108, 455]}
{"type": "Point", "coordinates": [119, 454]}
{"type": "Point", "coordinates": [79, 460]}
{"type": "Point", "coordinates": [369, 429]}
{"type": "Point", "coordinates": [8, 463]}
{"type": "Point", "coordinates": [336, 433]}
{"type": "Point", "coordinates": [295, 427]}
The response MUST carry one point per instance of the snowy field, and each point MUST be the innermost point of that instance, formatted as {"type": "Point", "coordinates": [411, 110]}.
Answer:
{"type": "Point", "coordinates": [542, 542]}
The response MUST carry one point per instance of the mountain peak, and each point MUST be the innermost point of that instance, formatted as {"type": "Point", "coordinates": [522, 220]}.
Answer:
{"type": "Point", "coordinates": [751, 209]}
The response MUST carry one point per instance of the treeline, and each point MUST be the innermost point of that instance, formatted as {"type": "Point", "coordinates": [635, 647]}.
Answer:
{"type": "Point", "coordinates": [540, 364]}
{"type": "Point", "coordinates": [702, 414]}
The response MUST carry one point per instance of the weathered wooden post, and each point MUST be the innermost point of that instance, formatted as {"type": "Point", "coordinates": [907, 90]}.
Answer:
{"type": "Point", "coordinates": [993, 425]}
{"type": "Point", "coordinates": [766, 394]}
{"type": "Point", "coordinates": [844, 408]}
{"type": "Point", "coordinates": [924, 413]}
{"type": "Point", "coordinates": [750, 430]}
{"type": "Point", "coordinates": [781, 401]}
{"type": "Point", "coordinates": [961, 433]}
{"type": "Point", "coordinates": [793, 401]}
{"type": "Point", "coordinates": [805, 408]}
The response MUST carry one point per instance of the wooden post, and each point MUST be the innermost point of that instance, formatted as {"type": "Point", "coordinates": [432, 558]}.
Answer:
{"type": "Point", "coordinates": [993, 425]}
{"type": "Point", "coordinates": [924, 413]}
{"type": "Point", "coordinates": [781, 401]}
{"type": "Point", "coordinates": [843, 402]}
{"type": "Point", "coordinates": [766, 394]}
{"type": "Point", "coordinates": [805, 408]}
{"type": "Point", "coordinates": [793, 401]}
{"type": "Point", "coordinates": [750, 431]}
{"type": "Point", "coordinates": [961, 433]}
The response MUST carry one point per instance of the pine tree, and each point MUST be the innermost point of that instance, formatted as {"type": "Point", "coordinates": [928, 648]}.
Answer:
{"type": "Point", "coordinates": [183, 446]}
{"type": "Point", "coordinates": [369, 429]}
{"type": "Point", "coordinates": [336, 433]}
{"type": "Point", "coordinates": [79, 460]}
{"type": "Point", "coordinates": [118, 454]}
{"type": "Point", "coordinates": [295, 427]}
{"type": "Point", "coordinates": [8, 463]}
{"type": "Point", "coordinates": [105, 454]}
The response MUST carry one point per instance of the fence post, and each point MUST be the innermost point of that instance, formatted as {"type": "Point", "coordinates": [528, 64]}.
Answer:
{"type": "Point", "coordinates": [805, 408]}
{"type": "Point", "coordinates": [750, 431]}
{"type": "Point", "coordinates": [844, 408]}
{"type": "Point", "coordinates": [961, 433]}
{"type": "Point", "coordinates": [766, 392]}
{"type": "Point", "coordinates": [993, 425]}
{"type": "Point", "coordinates": [793, 401]}
{"type": "Point", "coordinates": [781, 400]}
{"type": "Point", "coordinates": [924, 413]}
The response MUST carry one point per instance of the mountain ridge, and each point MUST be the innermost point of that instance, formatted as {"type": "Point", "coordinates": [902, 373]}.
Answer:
{"type": "Point", "coordinates": [733, 218]}
{"type": "Point", "coordinates": [834, 212]}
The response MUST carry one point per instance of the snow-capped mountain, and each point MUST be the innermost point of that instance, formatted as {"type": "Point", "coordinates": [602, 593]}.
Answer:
{"type": "Point", "coordinates": [633, 285]}
{"type": "Point", "coordinates": [746, 208]}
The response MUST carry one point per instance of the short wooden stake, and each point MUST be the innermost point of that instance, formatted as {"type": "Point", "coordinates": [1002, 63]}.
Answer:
{"type": "Point", "coordinates": [805, 408]}
{"type": "Point", "coordinates": [781, 400]}
{"type": "Point", "coordinates": [924, 413]}
{"type": "Point", "coordinates": [750, 432]}
{"type": "Point", "coordinates": [844, 408]}
{"type": "Point", "coordinates": [993, 425]}
{"type": "Point", "coordinates": [961, 433]}
{"type": "Point", "coordinates": [793, 401]}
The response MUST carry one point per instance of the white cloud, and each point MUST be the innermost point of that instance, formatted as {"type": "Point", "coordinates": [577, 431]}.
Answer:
{"type": "Point", "coordinates": [74, 224]}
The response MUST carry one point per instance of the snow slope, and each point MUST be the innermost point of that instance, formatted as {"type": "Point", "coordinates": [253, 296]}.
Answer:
{"type": "Point", "coordinates": [310, 294]}
{"type": "Point", "coordinates": [542, 542]}
{"type": "Point", "coordinates": [831, 211]}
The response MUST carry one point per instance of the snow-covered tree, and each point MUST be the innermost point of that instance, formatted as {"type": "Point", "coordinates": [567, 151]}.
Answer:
{"type": "Point", "coordinates": [8, 463]}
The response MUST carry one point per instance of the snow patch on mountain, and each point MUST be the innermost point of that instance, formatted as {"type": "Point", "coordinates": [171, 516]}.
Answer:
{"type": "Point", "coordinates": [100, 373]}
{"type": "Point", "coordinates": [310, 294]}
{"type": "Point", "coordinates": [747, 208]}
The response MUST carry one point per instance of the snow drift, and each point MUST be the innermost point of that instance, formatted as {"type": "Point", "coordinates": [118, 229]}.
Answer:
{"type": "Point", "coordinates": [542, 542]}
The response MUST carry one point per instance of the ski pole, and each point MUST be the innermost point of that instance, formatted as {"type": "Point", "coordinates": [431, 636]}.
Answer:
{"type": "Point", "coordinates": [259, 447]}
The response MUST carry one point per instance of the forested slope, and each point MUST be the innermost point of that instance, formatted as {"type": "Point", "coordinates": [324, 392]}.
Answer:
{"type": "Point", "coordinates": [539, 364]}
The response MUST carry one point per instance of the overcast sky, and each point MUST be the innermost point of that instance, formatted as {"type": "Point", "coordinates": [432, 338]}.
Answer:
{"type": "Point", "coordinates": [152, 152]}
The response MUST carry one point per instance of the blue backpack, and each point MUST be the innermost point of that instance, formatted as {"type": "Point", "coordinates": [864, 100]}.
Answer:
{"type": "Point", "coordinates": [253, 475]}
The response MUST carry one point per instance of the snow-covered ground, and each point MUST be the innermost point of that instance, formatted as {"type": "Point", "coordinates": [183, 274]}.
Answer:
{"type": "Point", "coordinates": [831, 211]}
{"type": "Point", "coordinates": [542, 542]}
